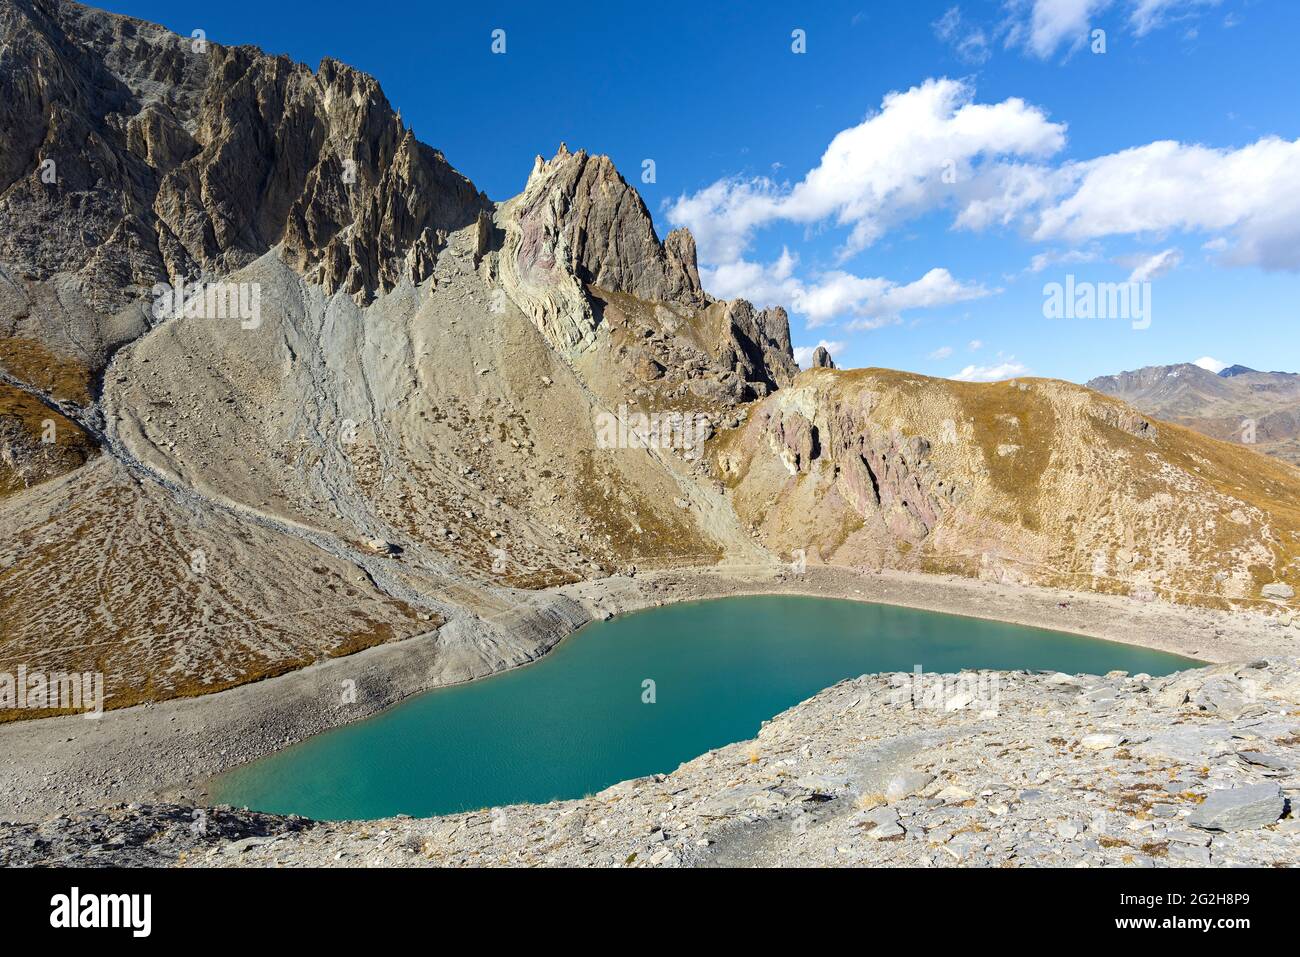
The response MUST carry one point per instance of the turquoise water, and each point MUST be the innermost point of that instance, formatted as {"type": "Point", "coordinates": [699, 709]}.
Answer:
{"type": "Point", "coordinates": [574, 722]}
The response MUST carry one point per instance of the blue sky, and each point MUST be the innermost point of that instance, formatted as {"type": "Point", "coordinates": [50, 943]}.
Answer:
{"type": "Point", "coordinates": [978, 151]}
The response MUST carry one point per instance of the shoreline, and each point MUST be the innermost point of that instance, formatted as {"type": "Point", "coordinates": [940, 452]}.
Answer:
{"type": "Point", "coordinates": [172, 750]}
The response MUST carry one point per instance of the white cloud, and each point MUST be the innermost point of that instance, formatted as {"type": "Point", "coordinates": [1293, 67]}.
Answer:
{"type": "Point", "coordinates": [893, 167]}
{"type": "Point", "coordinates": [974, 345]}
{"type": "Point", "coordinates": [967, 39]}
{"type": "Point", "coordinates": [1147, 15]}
{"type": "Point", "coordinates": [1165, 186]}
{"type": "Point", "coordinates": [871, 302]}
{"type": "Point", "coordinates": [936, 288]}
{"type": "Point", "coordinates": [803, 354]}
{"type": "Point", "coordinates": [1008, 369]}
{"type": "Point", "coordinates": [1146, 268]}
{"type": "Point", "coordinates": [773, 284]}
{"type": "Point", "coordinates": [942, 352]}
{"type": "Point", "coordinates": [1053, 257]}
{"type": "Point", "coordinates": [1042, 26]}
{"type": "Point", "coordinates": [1211, 364]}
{"type": "Point", "coordinates": [888, 168]}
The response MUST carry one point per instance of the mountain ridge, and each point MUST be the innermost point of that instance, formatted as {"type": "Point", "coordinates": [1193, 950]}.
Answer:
{"type": "Point", "coordinates": [1236, 404]}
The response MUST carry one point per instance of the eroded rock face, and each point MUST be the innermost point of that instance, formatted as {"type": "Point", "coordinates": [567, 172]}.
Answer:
{"type": "Point", "coordinates": [136, 156]}
{"type": "Point", "coordinates": [756, 343]}
{"type": "Point", "coordinates": [577, 225]}
{"type": "Point", "coordinates": [794, 438]}
{"type": "Point", "coordinates": [880, 473]}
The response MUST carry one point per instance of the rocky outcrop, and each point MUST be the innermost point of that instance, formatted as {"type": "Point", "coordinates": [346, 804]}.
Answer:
{"type": "Point", "coordinates": [578, 224]}
{"type": "Point", "coordinates": [976, 769]}
{"type": "Point", "coordinates": [756, 344]}
{"type": "Point", "coordinates": [579, 238]}
{"type": "Point", "coordinates": [578, 212]}
{"type": "Point", "coordinates": [882, 475]}
{"type": "Point", "coordinates": [821, 359]}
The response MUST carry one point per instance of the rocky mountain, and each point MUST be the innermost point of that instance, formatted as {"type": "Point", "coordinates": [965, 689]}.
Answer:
{"type": "Point", "coordinates": [402, 440]}
{"type": "Point", "coordinates": [278, 384]}
{"type": "Point", "coordinates": [1238, 404]}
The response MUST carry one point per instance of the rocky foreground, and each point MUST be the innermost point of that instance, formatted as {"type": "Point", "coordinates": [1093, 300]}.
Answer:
{"type": "Point", "coordinates": [978, 769]}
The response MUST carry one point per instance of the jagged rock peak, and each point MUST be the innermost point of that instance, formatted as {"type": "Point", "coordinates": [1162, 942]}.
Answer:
{"type": "Point", "coordinates": [821, 359]}
{"type": "Point", "coordinates": [607, 231]}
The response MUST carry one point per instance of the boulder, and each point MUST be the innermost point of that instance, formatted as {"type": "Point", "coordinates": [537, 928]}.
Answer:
{"type": "Point", "coordinates": [1236, 809]}
{"type": "Point", "coordinates": [906, 784]}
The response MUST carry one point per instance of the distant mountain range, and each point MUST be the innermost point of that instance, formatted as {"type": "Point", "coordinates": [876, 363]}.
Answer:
{"type": "Point", "coordinates": [1238, 404]}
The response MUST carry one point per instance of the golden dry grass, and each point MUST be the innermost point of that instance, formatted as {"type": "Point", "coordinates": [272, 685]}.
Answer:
{"type": "Point", "coordinates": [30, 361]}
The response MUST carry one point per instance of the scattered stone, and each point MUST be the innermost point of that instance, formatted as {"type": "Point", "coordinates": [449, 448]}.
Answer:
{"type": "Point", "coordinates": [953, 795]}
{"type": "Point", "coordinates": [1263, 760]}
{"type": "Point", "coordinates": [1189, 853]}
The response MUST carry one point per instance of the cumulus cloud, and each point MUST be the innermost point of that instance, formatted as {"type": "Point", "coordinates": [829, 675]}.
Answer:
{"type": "Point", "coordinates": [926, 146]}
{"type": "Point", "coordinates": [891, 168]}
{"type": "Point", "coordinates": [992, 165]}
{"type": "Point", "coordinates": [974, 345]}
{"type": "Point", "coordinates": [1167, 186]}
{"type": "Point", "coordinates": [772, 284]}
{"type": "Point", "coordinates": [936, 288]}
{"type": "Point", "coordinates": [942, 352]}
{"type": "Point", "coordinates": [1007, 369]}
{"type": "Point", "coordinates": [1211, 364]}
{"type": "Point", "coordinates": [803, 354]}
{"type": "Point", "coordinates": [868, 301]}
{"type": "Point", "coordinates": [1146, 268]}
